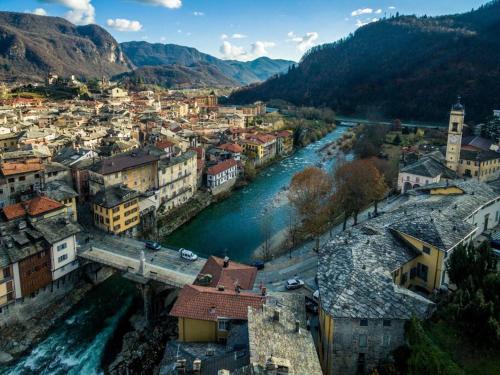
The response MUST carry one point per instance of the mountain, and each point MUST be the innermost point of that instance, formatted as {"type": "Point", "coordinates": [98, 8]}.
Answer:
{"type": "Point", "coordinates": [198, 75]}
{"type": "Point", "coordinates": [402, 67]}
{"type": "Point", "coordinates": [147, 54]}
{"type": "Point", "coordinates": [32, 46]}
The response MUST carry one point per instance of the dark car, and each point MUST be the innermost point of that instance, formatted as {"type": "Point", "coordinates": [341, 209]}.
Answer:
{"type": "Point", "coordinates": [259, 264]}
{"type": "Point", "coordinates": [152, 245]}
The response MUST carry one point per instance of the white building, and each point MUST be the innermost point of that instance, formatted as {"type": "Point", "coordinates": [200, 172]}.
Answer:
{"type": "Point", "coordinates": [222, 173]}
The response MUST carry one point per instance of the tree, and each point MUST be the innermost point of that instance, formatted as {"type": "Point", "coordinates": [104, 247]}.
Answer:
{"type": "Point", "coordinates": [266, 230]}
{"type": "Point", "coordinates": [310, 193]}
{"type": "Point", "coordinates": [357, 184]}
{"type": "Point", "coordinates": [292, 228]}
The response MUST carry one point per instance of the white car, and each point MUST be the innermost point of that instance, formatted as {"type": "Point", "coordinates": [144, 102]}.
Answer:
{"type": "Point", "coordinates": [294, 284]}
{"type": "Point", "coordinates": [188, 255]}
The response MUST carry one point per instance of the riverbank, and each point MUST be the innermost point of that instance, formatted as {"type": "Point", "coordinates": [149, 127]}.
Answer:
{"type": "Point", "coordinates": [20, 337]}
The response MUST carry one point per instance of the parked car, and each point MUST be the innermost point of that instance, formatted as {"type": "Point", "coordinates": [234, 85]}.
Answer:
{"type": "Point", "coordinates": [188, 255]}
{"type": "Point", "coordinates": [294, 284]}
{"type": "Point", "coordinates": [259, 264]}
{"type": "Point", "coordinates": [152, 245]}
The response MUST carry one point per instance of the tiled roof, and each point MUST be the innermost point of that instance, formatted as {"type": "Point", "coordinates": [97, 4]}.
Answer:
{"type": "Point", "coordinates": [231, 147]}
{"type": "Point", "coordinates": [13, 168]}
{"type": "Point", "coordinates": [477, 142]}
{"type": "Point", "coordinates": [222, 166]}
{"type": "Point", "coordinates": [230, 276]}
{"type": "Point", "coordinates": [427, 167]}
{"type": "Point", "coordinates": [482, 155]}
{"type": "Point", "coordinates": [34, 207]}
{"type": "Point", "coordinates": [125, 161]}
{"type": "Point", "coordinates": [206, 303]}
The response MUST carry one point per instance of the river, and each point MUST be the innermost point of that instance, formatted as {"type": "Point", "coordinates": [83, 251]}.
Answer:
{"type": "Point", "coordinates": [232, 227]}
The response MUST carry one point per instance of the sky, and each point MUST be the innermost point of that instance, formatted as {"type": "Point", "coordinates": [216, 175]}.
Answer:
{"type": "Point", "coordinates": [235, 29]}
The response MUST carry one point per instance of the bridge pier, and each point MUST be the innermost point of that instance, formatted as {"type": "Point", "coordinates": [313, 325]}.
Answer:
{"type": "Point", "coordinates": [147, 301]}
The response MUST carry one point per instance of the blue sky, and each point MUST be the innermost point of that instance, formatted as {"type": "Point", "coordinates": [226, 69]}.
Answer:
{"type": "Point", "coordinates": [239, 29]}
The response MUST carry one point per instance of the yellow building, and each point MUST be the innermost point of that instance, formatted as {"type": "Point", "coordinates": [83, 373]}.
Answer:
{"type": "Point", "coordinates": [479, 164]}
{"type": "Point", "coordinates": [9, 141]}
{"type": "Point", "coordinates": [207, 314]}
{"type": "Point", "coordinates": [260, 147]}
{"type": "Point", "coordinates": [373, 277]}
{"type": "Point", "coordinates": [137, 170]}
{"type": "Point", "coordinates": [7, 294]}
{"type": "Point", "coordinates": [116, 209]}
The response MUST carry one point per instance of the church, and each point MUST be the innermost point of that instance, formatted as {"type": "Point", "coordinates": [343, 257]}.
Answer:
{"type": "Point", "coordinates": [470, 157]}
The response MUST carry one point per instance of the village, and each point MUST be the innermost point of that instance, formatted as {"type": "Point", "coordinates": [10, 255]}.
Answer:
{"type": "Point", "coordinates": [85, 182]}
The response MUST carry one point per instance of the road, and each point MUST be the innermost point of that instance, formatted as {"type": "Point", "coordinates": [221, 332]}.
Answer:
{"type": "Point", "coordinates": [405, 124]}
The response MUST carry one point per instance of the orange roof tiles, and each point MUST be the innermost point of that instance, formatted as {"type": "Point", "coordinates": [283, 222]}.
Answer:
{"type": "Point", "coordinates": [221, 167]}
{"type": "Point", "coordinates": [231, 147]}
{"type": "Point", "coordinates": [34, 207]}
{"type": "Point", "coordinates": [230, 276]}
{"type": "Point", "coordinates": [12, 168]}
{"type": "Point", "coordinates": [206, 303]}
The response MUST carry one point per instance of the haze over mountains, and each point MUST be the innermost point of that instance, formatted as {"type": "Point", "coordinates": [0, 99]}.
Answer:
{"type": "Point", "coordinates": [31, 46]}
{"type": "Point", "coordinates": [402, 67]}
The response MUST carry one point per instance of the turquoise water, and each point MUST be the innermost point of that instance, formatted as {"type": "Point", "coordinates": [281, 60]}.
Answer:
{"type": "Point", "coordinates": [233, 227]}
{"type": "Point", "coordinates": [76, 345]}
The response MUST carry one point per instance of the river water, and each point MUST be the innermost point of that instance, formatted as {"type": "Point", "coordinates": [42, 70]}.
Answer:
{"type": "Point", "coordinates": [232, 227]}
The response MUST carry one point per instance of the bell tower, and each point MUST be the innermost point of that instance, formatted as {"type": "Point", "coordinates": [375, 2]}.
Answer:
{"type": "Point", "coordinates": [455, 129]}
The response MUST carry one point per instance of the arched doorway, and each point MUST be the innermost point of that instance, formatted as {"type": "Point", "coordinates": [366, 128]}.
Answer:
{"type": "Point", "coordinates": [407, 186]}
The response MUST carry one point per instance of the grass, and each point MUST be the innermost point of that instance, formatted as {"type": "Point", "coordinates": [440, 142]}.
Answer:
{"type": "Point", "coordinates": [473, 360]}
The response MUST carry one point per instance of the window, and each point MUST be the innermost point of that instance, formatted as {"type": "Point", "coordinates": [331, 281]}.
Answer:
{"type": "Point", "coordinates": [386, 341]}
{"type": "Point", "coordinates": [426, 249]}
{"type": "Point", "coordinates": [62, 246]}
{"type": "Point", "coordinates": [363, 322]}
{"type": "Point", "coordinates": [62, 258]}
{"type": "Point", "coordinates": [362, 341]}
{"type": "Point", "coordinates": [454, 127]}
{"type": "Point", "coordinates": [11, 179]}
{"type": "Point", "coordinates": [387, 323]}
{"type": "Point", "coordinates": [223, 325]}
{"type": "Point", "coordinates": [116, 218]}
{"type": "Point", "coordinates": [22, 178]}
{"type": "Point", "coordinates": [116, 209]}
{"type": "Point", "coordinates": [116, 227]}
{"type": "Point", "coordinates": [422, 271]}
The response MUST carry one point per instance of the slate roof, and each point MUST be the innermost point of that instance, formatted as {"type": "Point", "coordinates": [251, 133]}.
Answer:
{"type": "Point", "coordinates": [206, 303]}
{"type": "Point", "coordinates": [482, 155]}
{"type": "Point", "coordinates": [477, 142]}
{"type": "Point", "coordinates": [428, 167]}
{"type": "Point", "coordinates": [121, 162]}
{"type": "Point", "coordinates": [114, 195]}
{"type": "Point", "coordinates": [59, 190]}
{"type": "Point", "coordinates": [230, 276]}
{"type": "Point", "coordinates": [56, 228]}
{"type": "Point", "coordinates": [354, 269]}
{"type": "Point", "coordinates": [279, 339]}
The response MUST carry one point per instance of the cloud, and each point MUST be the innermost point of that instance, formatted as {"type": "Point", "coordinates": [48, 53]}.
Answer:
{"type": "Point", "coordinates": [81, 12]}
{"type": "Point", "coordinates": [361, 11]}
{"type": "Point", "coordinates": [259, 48]}
{"type": "Point", "coordinates": [198, 14]}
{"type": "Point", "coordinates": [305, 42]}
{"type": "Point", "coordinates": [378, 11]}
{"type": "Point", "coordinates": [171, 4]}
{"type": "Point", "coordinates": [360, 23]}
{"type": "Point", "coordinates": [230, 51]}
{"type": "Point", "coordinates": [39, 12]}
{"type": "Point", "coordinates": [392, 7]}
{"type": "Point", "coordinates": [163, 39]}
{"type": "Point", "coordinates": [122, 24]}
{"type": "Point", "coordinates": [224, 36]}
{"type": "Point", "coordinates": [238, 36]}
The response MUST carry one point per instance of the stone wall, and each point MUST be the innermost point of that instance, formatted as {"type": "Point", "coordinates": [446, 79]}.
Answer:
{"type": "Point", "coordinates": [348, 346]}
{"type": "Point", "coordinates": [225, 187]}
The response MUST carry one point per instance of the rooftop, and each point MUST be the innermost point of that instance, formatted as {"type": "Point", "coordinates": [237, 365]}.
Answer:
{"type": "Point", "coordinates": [13, 168]}
{"type": "Point", "coordinates": [34, 207]}
{"type": "Point", "coordinates": [207, 303]}
{"type": "Point", "coordinates": [114, 195]}
{"type": "Point", "coordinates": [230, 275]}
{"type": "Point", "coordinates": [480, 155]}
{"type": "Point", "coordinates": [121, 162]}
{"type": "Point", "coordinates": [222, 166]}
{"type": "Point", "coordinates": [428, 166]}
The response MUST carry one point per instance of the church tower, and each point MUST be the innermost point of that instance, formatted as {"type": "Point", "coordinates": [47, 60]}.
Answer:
{"type": "Point", "coordinates": [455, 129]}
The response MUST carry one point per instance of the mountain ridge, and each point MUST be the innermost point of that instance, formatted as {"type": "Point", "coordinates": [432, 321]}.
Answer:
{"type": "Point", "coordinates": [402, 67]}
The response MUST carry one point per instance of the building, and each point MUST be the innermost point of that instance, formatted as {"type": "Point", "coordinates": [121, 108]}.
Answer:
{"type": "Point", "coordinates": [116, 209]}
{"type": "Point", "coordinates": [138, 170]}
{"type": "Point", "coordinates": [9, 141]}
{"type": "Point", "coordinates": [284, 142]}
{"type": "Point", "coordinates": [471, 157]}
{"type": "Point", "coordinates": [64, 194]}
{"type": "Point", "coordinates": [234, 150]}
{"type": "Point", "coordinates": [427, 170]}
{"type": "Point", "coordinates": [279, 341]}
{"type": "Point", "coordinates": [177, 177]}
{"type": "Point", "coordinates": [218, 271]}
{"type": "Point", "coordinates": [260, 147]}
{"type": "Point", "coordinates": [207, 314]}
{"type": "Point", "coordinates": [7, 295]}
{"type": "Point", "coordinates": [223, 173]}
{"type": "Point", "coordinates": [20, 179]}
{"type": "Point", "coordinates": [369, 274]}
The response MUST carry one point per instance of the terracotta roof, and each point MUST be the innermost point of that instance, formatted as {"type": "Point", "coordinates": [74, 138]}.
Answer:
{"type": "Point", "coordinates": [12, 168]}
{"type": "Point", "coordinates": [206, 303]}
{"type": "Point", "coordinates": [230, 276]}
{"type": "Point", "coordinates": [231, 147]}
{"type": "Point", "coordinates": [284, 133]}
{"type": "Point", "coordinates": [34, 207]}
{"type": "Point", "coordinates": [222, 166]}
{"type": "Point", "coordinates": [164, 144]}
{"type": "Point", "coordinates": [260, 138]}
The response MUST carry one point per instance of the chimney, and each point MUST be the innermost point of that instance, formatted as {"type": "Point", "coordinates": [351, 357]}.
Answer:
{"type": "Point", "coordinates": [276, 315]}
{"type": "Point", "coordinates": [220, 288]}
{"type": "Point", "coordinates": [197, 366]}
{"type": "Point", "coordinates": [226, 262]}
{"type": "Point", "coordinates": [180, 366]}
{"type": "Point", "coordinates": [297, 326]}
{"type": "Point", "coordinates": [263, 290]}
{"type": "Point", "coordinates": [238, 288]}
